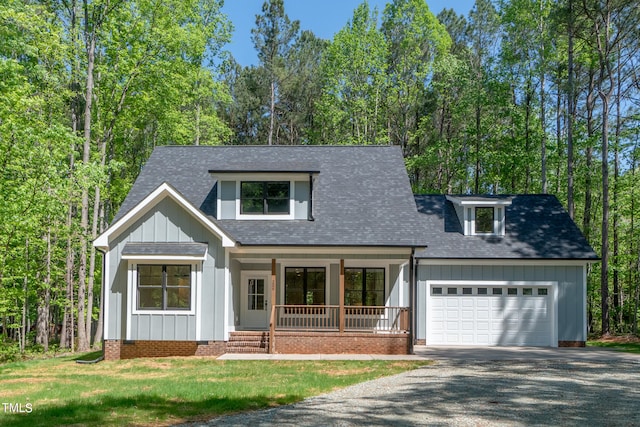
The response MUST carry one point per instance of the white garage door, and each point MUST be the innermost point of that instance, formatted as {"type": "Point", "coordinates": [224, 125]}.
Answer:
{"type": "Point", "coordinates": [490, 315]}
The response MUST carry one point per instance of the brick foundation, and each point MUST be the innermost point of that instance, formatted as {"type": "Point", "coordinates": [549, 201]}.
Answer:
{"type": "Point", "coordinates": [117, 349]}
{"type": "Point", "coordinates": [421, 342]}
{"type": "Point", "coordinates": [335, 343]}
{"type": "Point", "coordinates": [571, 344]}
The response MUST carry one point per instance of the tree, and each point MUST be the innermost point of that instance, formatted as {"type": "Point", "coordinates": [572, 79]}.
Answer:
{"type": "Point", "coordinates": [355, 83]}
{"type": "Point", "coordinates": [273, 38]}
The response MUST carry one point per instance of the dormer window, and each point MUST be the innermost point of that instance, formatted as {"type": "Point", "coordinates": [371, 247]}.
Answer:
{"type": "Point", "coordinates": [481, 215]}
{"type": "Point", "coordinates": [265, 198]}
{"type": "Point", "coordinates": [484, 223]}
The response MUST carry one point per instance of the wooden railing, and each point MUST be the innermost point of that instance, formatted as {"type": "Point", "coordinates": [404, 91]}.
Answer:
{"type": "Point", "coordinates": [327, 318]}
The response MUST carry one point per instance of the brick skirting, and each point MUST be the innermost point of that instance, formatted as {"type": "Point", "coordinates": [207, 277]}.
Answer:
{"type": "Point", "coordinates": [571, 344]}
{"type": "Point", "coordinates": [117, 349]}
{"type": "Point", "coordinates": [336, 343]}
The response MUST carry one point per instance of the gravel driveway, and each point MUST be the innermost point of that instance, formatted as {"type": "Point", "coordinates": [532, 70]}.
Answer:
{"type": "Point", "coordinates": [474, 393]}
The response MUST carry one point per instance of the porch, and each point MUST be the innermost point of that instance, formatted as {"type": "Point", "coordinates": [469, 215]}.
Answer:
{"type": "Point", "coordinates": [325, 322]}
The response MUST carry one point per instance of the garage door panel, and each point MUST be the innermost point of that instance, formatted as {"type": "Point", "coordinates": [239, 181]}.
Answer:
{"type": "Point", "coordinates": [504, 317]}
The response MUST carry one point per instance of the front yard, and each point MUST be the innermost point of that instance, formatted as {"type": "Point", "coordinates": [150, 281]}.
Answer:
{"type": "Point", "coordinates": [167, 390]}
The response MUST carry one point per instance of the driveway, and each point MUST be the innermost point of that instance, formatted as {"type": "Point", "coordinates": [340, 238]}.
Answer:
{"type": "Point", "coordinates": [479, 387]}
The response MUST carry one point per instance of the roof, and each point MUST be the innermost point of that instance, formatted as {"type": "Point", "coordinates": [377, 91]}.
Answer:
{"type": "Point", "coordinates": [186, 249]}
{"type": "Point", "coordinates": [537, 227]}
{"type": "Point", "coordinates": [362, 195]}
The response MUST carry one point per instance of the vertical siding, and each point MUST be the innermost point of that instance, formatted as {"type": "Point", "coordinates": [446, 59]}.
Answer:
{"type": "Point", "coordinates": [227, 200]}
{"type": "Point", "coordinates": [301, 199]}
{"type": "Point", "coordinates": [570, 290]}
{"type": "Point", "coordinates": [168, 222]}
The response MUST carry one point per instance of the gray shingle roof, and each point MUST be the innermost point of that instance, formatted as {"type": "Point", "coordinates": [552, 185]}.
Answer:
{"type": "Point", "coordinates": [537, 227]}
{"type": "Point", "coordinates": [362, 195]}
{"type": "Point", "coordinates": [180, 249]}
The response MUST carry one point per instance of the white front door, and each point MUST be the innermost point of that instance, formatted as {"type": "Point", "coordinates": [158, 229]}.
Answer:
{"type": "Point", "coordinates": [256, 301]}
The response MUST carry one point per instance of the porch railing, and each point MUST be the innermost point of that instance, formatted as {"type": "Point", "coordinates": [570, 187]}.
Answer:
{"type": "Point", "coordinates": [327, 318]}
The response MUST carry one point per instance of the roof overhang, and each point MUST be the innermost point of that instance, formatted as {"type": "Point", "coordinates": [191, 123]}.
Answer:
{"type": "Point", "coordinates": [479, 200]}
{"type": "Point", "coordinates": [163, 191]}
{"type": "Point", "coordinates": [165, 251]}
{"type": "Point", "coordinates": [504, 261]}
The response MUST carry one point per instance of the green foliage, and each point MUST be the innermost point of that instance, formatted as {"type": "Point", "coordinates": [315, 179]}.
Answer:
{"type": "Point", "coordinates": [351, 108]}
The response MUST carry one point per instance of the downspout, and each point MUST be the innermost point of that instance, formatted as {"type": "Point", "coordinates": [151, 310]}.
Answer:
{"type": "Point", "coordinates": [310, 205]}
{"type": "Point", "coordinates": [412, 298]}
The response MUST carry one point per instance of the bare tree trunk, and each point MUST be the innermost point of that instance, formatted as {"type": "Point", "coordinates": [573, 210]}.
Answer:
{"type": "Point", "coordinates": [42, 324]}
{"type": "Point", "coordinates": [272, 111]}
{"type": "Point", "coordinates": [570, 113]}
{"type": "Point", "coordinates": [90, 43]}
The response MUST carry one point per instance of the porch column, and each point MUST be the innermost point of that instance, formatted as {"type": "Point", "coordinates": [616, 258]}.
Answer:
{"type": "Point", "coordinates": [341, 296]}
{"type": "Point", "coordinates": [272, 318]}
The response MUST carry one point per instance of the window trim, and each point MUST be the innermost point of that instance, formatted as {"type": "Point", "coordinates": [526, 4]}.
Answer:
{"type": "Point", "coordinates": [364, 284]}
{"type": "Point", "coordinates": [264, 216]}
{"type": "Point", "coordinates": [196, 285]}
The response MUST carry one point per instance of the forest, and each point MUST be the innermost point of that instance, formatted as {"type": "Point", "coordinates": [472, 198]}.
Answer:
{"type": "Point", "coordinates": [520, 96]}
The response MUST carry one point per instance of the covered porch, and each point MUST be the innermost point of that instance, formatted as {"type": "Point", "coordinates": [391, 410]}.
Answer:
{"type": "Point", "coordinates": [358, 303]}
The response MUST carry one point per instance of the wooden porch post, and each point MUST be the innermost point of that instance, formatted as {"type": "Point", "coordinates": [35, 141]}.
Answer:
{"type": "Point", "coordinates": [341, 302]}
{"type": "Point", "coordinates": [272, 319]}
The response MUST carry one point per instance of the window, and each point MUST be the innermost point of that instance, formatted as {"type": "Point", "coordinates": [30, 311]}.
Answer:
{"type": "Point", "coordinates": [364, 286]}
{"type": "Point", "coordinates": [484, 220]}
{"type": "Point", "coordinates": [164, 287]}
{"type": "Point", "coordinates": [466, 291]}
{"type": "Point", "coordinates": [497, 291]}
{"type": "Point", "coordinates": [436, 291]}
{"type": "Point", "coordinates": [542, 291]}
{"type": "Point", "coordinates": [264, 197]}
{"type": "Point", "coordinates": [512, 291]}
{"type": "Point", "coordinates": [482, 291]}
{"type": "Point", "coordinates": [304, 286]}
{"type": "Point", "coordinates": [527, 291]}
{"type": "Point", "coordinates": [452, 291]}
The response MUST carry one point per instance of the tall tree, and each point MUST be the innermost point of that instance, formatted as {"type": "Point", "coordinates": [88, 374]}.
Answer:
{"type": "Point", "coordinates": [273, 38]}
{"type": "Point", "coordinates": [415, 39]}
{"type": "Point", "coordinates": [355, 83]}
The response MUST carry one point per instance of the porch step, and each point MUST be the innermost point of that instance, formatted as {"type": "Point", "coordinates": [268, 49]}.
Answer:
{"type": "Point", "coordinates": [248, 342]}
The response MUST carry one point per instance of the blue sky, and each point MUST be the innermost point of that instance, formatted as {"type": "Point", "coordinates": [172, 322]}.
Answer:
{"type": "Point", "coordinates": [323, 17]}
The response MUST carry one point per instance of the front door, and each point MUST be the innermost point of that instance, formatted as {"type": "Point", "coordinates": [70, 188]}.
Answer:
{"type": "Point", "coordinates": [255, 300]}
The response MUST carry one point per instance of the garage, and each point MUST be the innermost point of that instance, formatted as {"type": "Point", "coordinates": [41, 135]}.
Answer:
{"type": "Point", "coordinates": [497, 314]}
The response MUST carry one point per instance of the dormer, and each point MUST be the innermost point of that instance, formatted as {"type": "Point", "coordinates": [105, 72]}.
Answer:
{"type": "Point", "coordinates": [481, 215]}
{"type": "Point", "coordinates": [265, 193]}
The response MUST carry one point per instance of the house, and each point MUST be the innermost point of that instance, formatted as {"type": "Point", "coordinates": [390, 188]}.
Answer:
{"type": "Point", "coordinates": [325, 249]}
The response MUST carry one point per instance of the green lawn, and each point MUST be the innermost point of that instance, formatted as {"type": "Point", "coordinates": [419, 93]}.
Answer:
{"type": "Point", "coordinates": [169, 390]}
{"type": "Point", "coordinates": [630, 347]}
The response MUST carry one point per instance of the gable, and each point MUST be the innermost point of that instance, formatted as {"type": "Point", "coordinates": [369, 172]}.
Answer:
{"type": "Point", "coordinates": [155, 203]}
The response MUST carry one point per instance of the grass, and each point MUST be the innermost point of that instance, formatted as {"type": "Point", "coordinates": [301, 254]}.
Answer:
{"type": "Point", "coordinates": [629, 344]}
{"type": "Point", "coordinates": [151, 392]}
